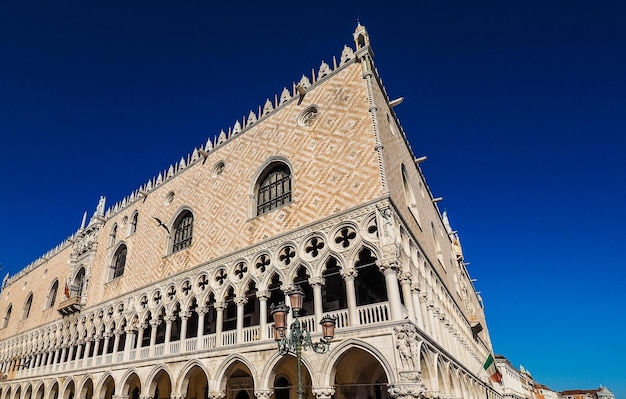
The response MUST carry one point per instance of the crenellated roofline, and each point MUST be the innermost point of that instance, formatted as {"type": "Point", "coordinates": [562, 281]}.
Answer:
{"type": "Point", "coordinates": [198, 154]}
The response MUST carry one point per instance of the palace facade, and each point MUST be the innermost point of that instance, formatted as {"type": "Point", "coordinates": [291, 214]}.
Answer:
{"type": "Point", "coordinates": [166, 294]}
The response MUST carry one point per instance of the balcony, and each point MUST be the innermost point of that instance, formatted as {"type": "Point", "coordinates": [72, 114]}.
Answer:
{"type": "Point", "coordinates": [367, 315]}
{"type": "Point", "coordinates": [70, 306]}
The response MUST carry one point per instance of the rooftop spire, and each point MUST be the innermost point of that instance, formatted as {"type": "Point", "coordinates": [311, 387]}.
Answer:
{"type": "Point", "coordinates": [361, 38]}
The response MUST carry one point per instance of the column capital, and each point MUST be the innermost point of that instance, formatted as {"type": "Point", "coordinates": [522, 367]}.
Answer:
{"type": "Point", "coordinates": [169, 319]}
{"type": "Point", "coordinates": [407, 391]}
{"type": "Point", "coordinates": [240, 300]}
{"type": "Point", "coordinates": [219, 305]}
{"type": "Point", "coordinates": [217, 395]}
{"type": "Point", "coordinates": [316, 281]}
{"type": "Point", "coordinates": [184, 315]}
{"type": "Point", "coordinates": [201, 310]}
{"type": "Point", "coordinates": [323, 392]}
{"type": "Point", "coordinates": [263, 393]}
{"type": "Point", "coordinates": [415, 286]}
{"type": "Point", "coordinates": [348, 273]}
{"type": "Point", "coordinates": [404, 277]}
{"type": "Point", "coordinates": [263, 294]}
{"type": "Point", "coordinates": [388, 265]}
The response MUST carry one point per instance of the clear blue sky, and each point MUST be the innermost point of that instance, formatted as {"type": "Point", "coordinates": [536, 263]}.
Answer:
{"type": "Point", "coordinates": [519, 105]}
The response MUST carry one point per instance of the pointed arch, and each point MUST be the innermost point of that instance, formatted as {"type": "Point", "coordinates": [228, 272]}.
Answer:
{"type": "Point", "coordinates": [27, 306]}
{"type": "Point", "coordinates": [230, 364]}
{"type": "Point", "coordinates": [129, 381]}
{"type": "Point", "coordinates": [188, 374]}
{"type": "Point", "coordinates": [7, 316]}
{"type": "Point", "coordinates": [182, 230]}
{"type": "Point", "coordinates": [156, 384]}
{"type": "Point", "coordinates": [271, 186]}
{"type": "Point", "coordinates": [52, 294]}
{"type": "Point", "coordinates": [327, 377]}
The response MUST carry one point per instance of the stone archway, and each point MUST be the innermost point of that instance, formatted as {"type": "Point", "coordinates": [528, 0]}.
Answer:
{"type": "Point", "coordinates": [195, 384]}
{"type": "Point", "coordinates": [358, 374]}
{"type": "Point", "coordinates": [239, 381]}
{"type": "Point", "coordinates": [86, 392]}
{"type": "Point", "coordinates": [107, 389]}
{"type": "Point", "coordinates": [161, 386]}
{"type": "Point", "coordinates": [285, 380]}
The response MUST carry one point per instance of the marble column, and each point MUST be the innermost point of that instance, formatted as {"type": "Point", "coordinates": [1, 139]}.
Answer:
{"type": "Point", "coordinates": [219, 322]}
{"type": "Point", "coordinates": [348, 276]}
{"type": "Point", "coordinates": [263, 297]}
{"type": "Point", "coordinates": [318, 308]}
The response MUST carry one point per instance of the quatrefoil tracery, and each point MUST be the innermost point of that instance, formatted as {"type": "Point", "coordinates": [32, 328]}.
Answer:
{"type": "Point", "coordinates": [314, 246]}
{"type": "Point", "coordinates": [240, 270]}
{"type": "Point", "coordinates": [221, 276]}
{"type": "Point", "coordinates": [262, 263]}
{"type": "Point", "coordinates": [286, 255]}
{"type": "Point", "coordinates": [345, 236]}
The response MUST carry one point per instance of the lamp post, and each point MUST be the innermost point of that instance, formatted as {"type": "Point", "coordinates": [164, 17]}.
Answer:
{"type": "Point", "coordinates": [299, 336]}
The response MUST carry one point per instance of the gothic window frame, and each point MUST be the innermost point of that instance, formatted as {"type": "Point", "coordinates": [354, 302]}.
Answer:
{"type": "Point", "coordinates": [269, 192]}
{"type": "Point", "coordinates": [28, 305]}
{"type": "Point", "coordinates": [182, 230]}
{"type": "Point", "coordinates": [409, 196]}
{"type": "Point", "coordinates": [113, 235]}
{"type": "Point", "coordinates": [132, 225]}
{"type": "Point", "coordinates": [52, 294]}
{"type": "Point", "coordinates": [7, 316]}
{"type": "Point", "coordinates": [118, 265]}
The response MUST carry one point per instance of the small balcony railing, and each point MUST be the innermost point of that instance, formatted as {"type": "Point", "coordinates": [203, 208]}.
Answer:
{"type": "Point", "coordinates": [69, 306]}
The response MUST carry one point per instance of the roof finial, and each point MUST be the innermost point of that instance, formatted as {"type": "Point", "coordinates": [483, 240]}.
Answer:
{"type": "Point", "coordinates": [361, 39]}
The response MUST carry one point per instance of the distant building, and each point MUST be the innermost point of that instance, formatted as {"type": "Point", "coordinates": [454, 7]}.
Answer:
{"type": "Point", "coordinates": [166, 294]}
{"type": "Point", "coordinates": [511, 379]}
{"type": "Point", "coordinates": [544, 392]}
{"type": "Point", "coordinates": [600, 393]}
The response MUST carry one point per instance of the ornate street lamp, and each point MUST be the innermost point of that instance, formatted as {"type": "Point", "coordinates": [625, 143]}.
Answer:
{"type": "Point", "coordinates": [299, 337]}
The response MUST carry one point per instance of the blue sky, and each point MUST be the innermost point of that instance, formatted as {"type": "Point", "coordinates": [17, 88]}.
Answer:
{"type": "Point", "coordinates": [519, 106]}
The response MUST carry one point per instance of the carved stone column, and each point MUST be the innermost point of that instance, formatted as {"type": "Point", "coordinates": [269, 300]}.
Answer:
{"type": "Point", "coordinates": [168, 333]}
{"type": "Point", "coordinates": [240, 301]}
{"type": "Point", "coordinates": [201, 310]}
{"type": "Point", "coordinates": [263, 296]}
{"type": "Point", "coordinates": [424, 307]}
{"type": "Point", "coordinates": [116, 342]}
{"type": "Point", "coordinates": [405, 284]}
{"type": "Point", "coordinates": [130, 335]}
{"type": "Point", "coordinates": [184, 317]}
{"type": "Point", "coordinates": [219, 323]}
{"type": "Point", "coordinates": [105, 344]}
{"type": "Point", "coordinates": [415, 298]}
{"type": "Point", "coordinates": [323, 392]}
{"type": "Point", "coordinates": [96, 346]}
{"type": "Point", "coordinates": [140, 332]}
{"type": "Point", "coordinates": [217, 394]}
{"type": "Point", "coordinates": [318, 308]}
{"type": "Point", "coordinates": [154, 324]}
{"type": "Point", "coordinates": [389, 266]}
{"type": "Point", "coordinates": [348, 276]}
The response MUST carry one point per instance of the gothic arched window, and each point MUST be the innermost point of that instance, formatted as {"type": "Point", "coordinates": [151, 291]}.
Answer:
{"type": "Point", "coordinates": [133, 224]}
{"type": "Point", "coordinates": [119, 261]}
{"type": "Point", "coordinates": [27, 306]}
{"type": "Point", "coordinates": [52, 294]}
{"type": "Point", "coordinates": [183, 231]}
{"type": "Point", "coordinates": [274, 188]}
{"type": "Point", "coordinates": [7, 316]}
{"type": "Point", "coordinates": [113, 234]}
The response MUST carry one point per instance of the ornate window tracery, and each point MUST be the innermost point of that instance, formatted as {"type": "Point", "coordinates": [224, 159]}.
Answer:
{"type": "Point", "coordinates": [183, 231]}
{"type": "Point", "coordinates": [119, 261]}
{"type": "Point", "coordinates": [274, 189]}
